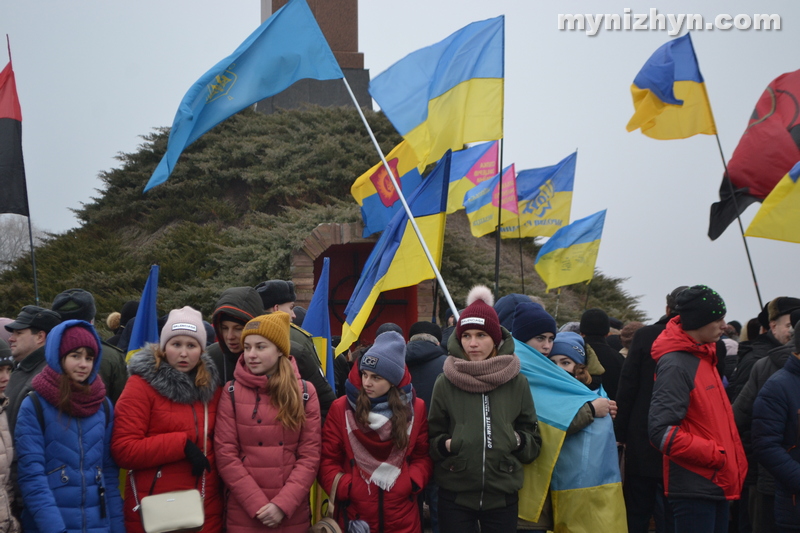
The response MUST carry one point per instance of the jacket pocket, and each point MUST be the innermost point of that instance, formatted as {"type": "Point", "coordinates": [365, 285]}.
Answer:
{"type": "Point", "coordinates": [454, 464]}
{"type": "Point", "coordinates": [510, 464]}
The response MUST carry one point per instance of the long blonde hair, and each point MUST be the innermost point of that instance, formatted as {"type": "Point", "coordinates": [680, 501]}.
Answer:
{"type": "Point", "coordinates": [284, 395]}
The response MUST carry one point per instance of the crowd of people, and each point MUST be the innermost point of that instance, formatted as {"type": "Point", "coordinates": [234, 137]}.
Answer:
{"type": "Point", "coordinates": [433, 429]}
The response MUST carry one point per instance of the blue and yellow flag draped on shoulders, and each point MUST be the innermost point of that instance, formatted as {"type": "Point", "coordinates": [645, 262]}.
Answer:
{"type": "Point", "coordinates": [669, 94]}
{"type": "Point", "coordinates": [571, 253]}
{"type": "Point", "coordinates": [779, 215]}
{"type": "Point", "coordinates": [398, 259]}
{"type": "Point", "coordinates": [581, 470]}
{"type": "Point", "coordinates": [287, 47]}
{"type": "Point", "coordinates": [318, 322]}
{"type": "Point", "coordinates": [375, 192]}
{"type": "Point", "coordinates": [544, 197]}
{"type": "Point", "coordinates": [469, 168]}
{"type": "Point", "coordinates": [145, 327]}
{"type": "Point", "coordinates": [446, 95]}
{"type": "Point", "coordinates": [483, 200]}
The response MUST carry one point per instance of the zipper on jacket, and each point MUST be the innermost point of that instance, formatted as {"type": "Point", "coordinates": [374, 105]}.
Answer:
{"type": "Point", "coordinates": [83, 475]}
{"type": "Point", "coordinates": [484, 407]}
{"type": "Point", "coordinates": [53, 471]}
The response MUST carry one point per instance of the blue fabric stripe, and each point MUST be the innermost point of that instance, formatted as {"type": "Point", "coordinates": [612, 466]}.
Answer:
{"type": "Point", "coordinates": [482, 193]}
{"type": "Point", "coordinates": [795, 172]}
{"type": "Point", "coordinates": [375, 215]}
{"type": "Point", "coordinates": [581, 231]}
{"type": "Point", "coordinates": [404, 89]}
{"type": "Point", "coordinates": [562, 173]}
{"type": "Point", "coordinates": [464, 160]}
{"type": "Point", "coordinates": [673, 61]}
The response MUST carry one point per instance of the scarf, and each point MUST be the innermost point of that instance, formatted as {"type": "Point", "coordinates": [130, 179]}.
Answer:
{"type": "Point", "coordinates": [82, 403]}
{"type": "Point", "coordinates": [481, 376]}
{"type": "Point", "coordinates": [378, 459]}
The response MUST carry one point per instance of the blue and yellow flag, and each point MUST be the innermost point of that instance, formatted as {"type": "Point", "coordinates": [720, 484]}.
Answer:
{"type": "Point", "coordinates": [669, 95]}
{"type": "Point", "coordinates": [398, 259]}
{"type": "Point", "coordinates": [469, 168]}
{"type": "Point", "coordinates": [586, 486]}
{"type": "Point", "coordinates": [544, 198]}
{"type": "Point", "coordinates": [482, 201]}
{"type": "Point", "coordinates": [449, 94]}
{"type": "Point", "coordinates": [318, 322]}
{"type": "Point", "coordinates": [779, 215]}
{"type": "Point", "coordinates": [375, 193]}
{"type": "Point", "coordinates": [145, 327]}
{"type": "Point", "coordinates": [571, 253]}
{"type": "Point", "coordinates": [287, 47]}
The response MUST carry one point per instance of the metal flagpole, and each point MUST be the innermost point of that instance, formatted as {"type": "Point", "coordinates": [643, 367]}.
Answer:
{"type": "Point", "coordinates": [497, 230]}
{"type": "Point", "coordinates": [405, 204]}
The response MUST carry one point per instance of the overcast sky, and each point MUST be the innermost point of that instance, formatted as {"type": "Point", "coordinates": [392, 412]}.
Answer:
{"type": "Point", "coordinates": [95, 75]}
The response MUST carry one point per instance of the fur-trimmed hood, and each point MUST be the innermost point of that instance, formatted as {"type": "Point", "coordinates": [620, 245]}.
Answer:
{"type": "Point", "coordinates": [171, 383]}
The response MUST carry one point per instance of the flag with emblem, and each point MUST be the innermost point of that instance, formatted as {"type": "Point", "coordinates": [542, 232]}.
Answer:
{"type": "Point", "coordinates": [469, 168]}
{"type": "Point", "coordinates": [287, 47]}
{"type": "Point", "coordinates": [482, 202]}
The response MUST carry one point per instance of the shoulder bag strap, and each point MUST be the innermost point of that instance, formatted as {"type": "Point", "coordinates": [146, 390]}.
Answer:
{"type": "Point", "coordinates": [332, 499]}
{"type": "Point", "coordinates": [205, 447]}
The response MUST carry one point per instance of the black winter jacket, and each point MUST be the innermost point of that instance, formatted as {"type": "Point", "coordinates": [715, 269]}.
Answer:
{"type": "Point", "coordinates": [425, 361]}
{"type": "Point", "coordinates": [611, 360]}
{"type": "Point", "coordinates": [748, 354]}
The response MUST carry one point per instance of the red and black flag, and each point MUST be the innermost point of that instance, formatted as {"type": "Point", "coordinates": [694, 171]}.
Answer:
{"type": "Point", "coordinates": [768, 149]}
{"type": "Point", "coordinates": [13, 192]}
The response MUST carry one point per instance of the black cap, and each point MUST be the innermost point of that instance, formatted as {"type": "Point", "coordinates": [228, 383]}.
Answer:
{"type": "Point", "coordinates": [426, 327]}
{"type": "Point", "coordinates": [33, 316]}
{"type": "Point", "coordinates": [595, 322]}
{"type": "Point", "coordinates": [75, 304]}
{"type": "Point", "coordinates": [275, 292]}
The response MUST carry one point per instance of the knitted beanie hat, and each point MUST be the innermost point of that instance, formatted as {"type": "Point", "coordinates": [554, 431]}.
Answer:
{"type": "Point", "coordinates": [595, 322]}
{"type": "Point", "coordinates": [388, 326]}
{"type": "Point", "coordinates": [480, 314]}
{"type": "Point", "coordinates": [77, 337]}
{"type": "Point", "coordinates": [5, 354]}
{"type": "Point", "coordinates": [570, 344]}
{"type": "Point", "coordinates": [184, 321]}
{"type": "Point", "coordinates": [530, 320]}
{"type": "Point", "coordinates": [426, 327]}
{"type": "Point", "coordinates": [273, 327]}
{"type": "Point", "coordinates": [387, 357]}
{"type": "Point", "coordinates": [699, 305]}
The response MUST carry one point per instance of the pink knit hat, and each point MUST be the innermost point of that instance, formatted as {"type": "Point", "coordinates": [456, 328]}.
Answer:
{"type": "Point", "coordinates": [77, 337]}
{"type": "Point", "coordinates": [184, 321]}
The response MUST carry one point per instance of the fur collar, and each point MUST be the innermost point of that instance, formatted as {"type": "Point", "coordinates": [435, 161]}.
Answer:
{"type": "Point", "coordinates": [171, 383]}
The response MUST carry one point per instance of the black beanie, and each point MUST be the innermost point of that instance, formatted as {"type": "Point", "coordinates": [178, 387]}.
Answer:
{"type": "Point", "coordinates": [426, 327]}
{"type": "Point", "coordinates": [595, 322]}
{"type": "Point", "coordinates": [699, 305]}
{"type": "Point", "coordinates": [530, 320]}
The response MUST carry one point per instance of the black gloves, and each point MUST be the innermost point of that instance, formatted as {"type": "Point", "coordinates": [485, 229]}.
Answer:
{"type": "Point", "coordinates": [196, 457]}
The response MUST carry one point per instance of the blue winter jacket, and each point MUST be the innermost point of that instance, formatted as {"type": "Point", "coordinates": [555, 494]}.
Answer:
{"type": "Point", "coordinates": [63, 470]}
{"type": "Point", "coordinates": [776, 439]}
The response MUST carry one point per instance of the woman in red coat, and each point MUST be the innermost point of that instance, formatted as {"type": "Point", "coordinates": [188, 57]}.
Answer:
{"type": "Point", "coordinates": [159, 421]}
{"type": "Point", "coordinates": [268, 437]}
{"type": "Point", "coordinates": [377, 435]}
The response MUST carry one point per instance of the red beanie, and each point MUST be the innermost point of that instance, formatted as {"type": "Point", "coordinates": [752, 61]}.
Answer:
{"type": "Point", "coordinates": [77, 337]}
{"type": "Point", "coordinates": [480, 314]}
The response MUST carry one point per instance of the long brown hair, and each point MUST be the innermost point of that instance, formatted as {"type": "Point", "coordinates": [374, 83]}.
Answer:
{"type": "Point", "coordinates": [401, 414]}
{"type": "Point", "coordinates": [284, 395]}
{"type": "Point", "coordinates": [66, 387]}
{"type": "Point", "coordinates": [203, 376]}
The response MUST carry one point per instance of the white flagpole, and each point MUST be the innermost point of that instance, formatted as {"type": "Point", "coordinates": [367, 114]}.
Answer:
{"type": "Point", "coordinates": [405, 204]}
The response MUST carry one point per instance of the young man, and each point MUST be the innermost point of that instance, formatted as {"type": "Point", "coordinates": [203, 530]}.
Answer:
{"type": "Point", "coordinates": [690, 419]}
{"type": "Point", "coordinates": [235, 308]}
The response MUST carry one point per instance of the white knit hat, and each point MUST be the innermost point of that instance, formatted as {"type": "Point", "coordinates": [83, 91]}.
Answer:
{"type": "Point", "coordinates": [184, 321]}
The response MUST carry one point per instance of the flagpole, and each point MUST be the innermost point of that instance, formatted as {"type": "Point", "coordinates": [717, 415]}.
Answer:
{"type": "Point", "coordinates": [739, 219]}
{"type": "Point", "coordinates": [499, 223]}
{"type": "Point", "coordinates": [519, 240]}
{"type": "Point", "coordinates": [405, 204]}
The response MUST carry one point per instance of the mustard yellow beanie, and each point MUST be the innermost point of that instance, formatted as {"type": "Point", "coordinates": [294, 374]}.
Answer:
{"type": "Point", "coordinates": [274, 326]}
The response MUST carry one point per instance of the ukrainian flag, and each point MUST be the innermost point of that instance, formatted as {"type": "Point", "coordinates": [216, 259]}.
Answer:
{"type": "Point", "coordinates": [398, 259]}
{"type": "Point", "coordinates": [145, 327]}
{"type": "Point", "coordinates": [582, 470]}
{"type": "Point", "coordinates": [669, 94]}
{"type": "Point", "coordinates": [446, 95]}
{"type": "Point", "coordinates": [544, 199]}
{"type": "Point", "coordinates": [482, 202]}
{"type": "Point", "coordinates": [571, 253]}
{"type": "Point", "coordinates": [779, 215]}
{"type": "Point", "coordinates": [318, 322]}
{"type": "Point", "coordinates": [375, 192]}
{"type": "Point", "coordinates": [469, 168]}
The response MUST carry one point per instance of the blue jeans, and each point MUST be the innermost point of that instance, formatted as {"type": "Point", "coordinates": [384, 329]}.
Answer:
{"type": "Point", "coordinates": [693, 515]}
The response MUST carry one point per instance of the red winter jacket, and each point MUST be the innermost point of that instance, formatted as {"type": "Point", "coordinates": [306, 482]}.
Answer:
{"type": "Point", "coordinates": [158, 411]}
{"type": "Point", "coordinates": [399, 505]}
{"type": "Point", "coordinates": [691, 420]}
{"type": "Point", "coordinates": [261, 461]}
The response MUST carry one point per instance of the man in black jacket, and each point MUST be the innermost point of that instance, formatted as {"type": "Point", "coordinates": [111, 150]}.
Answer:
{"type": "Point", "coordinates": [595, 326]}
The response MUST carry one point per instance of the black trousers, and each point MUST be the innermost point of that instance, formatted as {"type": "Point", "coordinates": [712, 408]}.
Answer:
{"type": "Point", "coordinates": [454, 518]}
{"type": "Point", "coordinates": [644, 498]}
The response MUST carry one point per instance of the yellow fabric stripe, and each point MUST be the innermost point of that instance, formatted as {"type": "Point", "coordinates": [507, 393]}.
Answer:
{"type": "Point", "coordinates": [589, 510]}
{"type": "Point", "coordinates": [566, 266]}
{"type": "Point", "coordinates": [555, 218]}
{"type": "Point", "coordinates": [778, 217]}
{"type": "Point", "coordinates": [538, 473]}
{"type": "Point", "coordinates": [668, 121]}
{"type": "Point", "coordinates": [472, 111]}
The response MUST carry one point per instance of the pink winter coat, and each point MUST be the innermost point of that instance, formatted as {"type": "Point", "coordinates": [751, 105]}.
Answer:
{"type": "Point", "coordinates": [259, 460]}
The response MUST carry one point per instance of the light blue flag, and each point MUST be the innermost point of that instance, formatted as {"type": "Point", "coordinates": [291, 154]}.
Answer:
{"type": "Point", "coordinates": [145, 327]}
{"type": "Point", "coordinates": [318, 322]}
{"type": "Point", "coordinates": [287, 47]}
